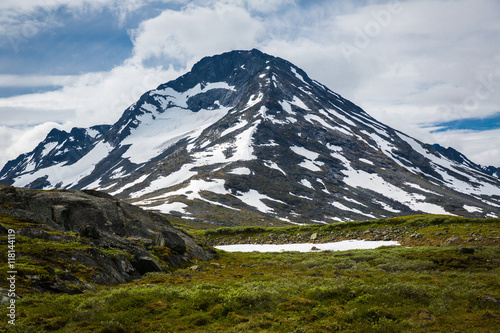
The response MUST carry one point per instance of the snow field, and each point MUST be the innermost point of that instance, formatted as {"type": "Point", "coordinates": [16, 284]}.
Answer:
{"type": "Point", "coordinates": [307, 247]}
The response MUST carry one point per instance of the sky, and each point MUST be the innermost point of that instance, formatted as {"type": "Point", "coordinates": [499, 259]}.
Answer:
{"type": "Point", "coordinates": [429, 68]}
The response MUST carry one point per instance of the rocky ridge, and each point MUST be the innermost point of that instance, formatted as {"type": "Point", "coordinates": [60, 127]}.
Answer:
{"type": "Point", "coordinates": [69, 240]}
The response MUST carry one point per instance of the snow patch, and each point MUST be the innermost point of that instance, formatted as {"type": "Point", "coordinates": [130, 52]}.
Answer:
{"type": "Point", "coordinates": [386, 206]}
{"type": "Point", "coordinates": [298, 102]}
{"type": "Point", "coordinates": [306, 183]}
{"type": "Point", "coordinates": [359, 178]}
{"type": "Point", "coordinates": [273, 165]}
{"type": "Point", "coordinates": [472, 209]}
{"type": "Point", "coordinates": [304, 152]}
{"type": "Point", "coordinates": [308, 247]}
{"type": "Point", "coordinates": [364, 160]}
{"type": "Point", "coordinates": [354, 210]}
{"type": "Point", "coordinates": [64, 175]}
{"type": "Point", "coordinates": [236, 127]}
{"type": "Point", "coordinates": [254, 199]}
{"type": "Point", "coordinates": [241, 171]}
{"type": "Point", "coordinates": [310, 165]}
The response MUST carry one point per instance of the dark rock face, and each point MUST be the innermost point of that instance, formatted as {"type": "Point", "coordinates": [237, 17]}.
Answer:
{"type": "Point", "coordinates": [117, 235]}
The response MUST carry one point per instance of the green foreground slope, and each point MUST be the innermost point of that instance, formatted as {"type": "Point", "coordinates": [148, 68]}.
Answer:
{"type": "Point", "coordinates": [445, 279]}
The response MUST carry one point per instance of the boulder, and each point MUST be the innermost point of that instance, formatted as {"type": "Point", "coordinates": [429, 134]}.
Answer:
{"type": "Point", "coordinates": [116, 237]}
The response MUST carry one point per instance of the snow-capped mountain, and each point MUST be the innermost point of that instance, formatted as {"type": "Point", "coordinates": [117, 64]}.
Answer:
{"type": "Point", "coordinates": [245, 137]}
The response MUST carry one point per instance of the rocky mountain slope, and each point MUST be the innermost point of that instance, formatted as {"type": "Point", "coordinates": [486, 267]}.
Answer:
{"type": "Point", "coordinates": [248, 138]}
{"type": "Point", "coordinates": [68, 240]}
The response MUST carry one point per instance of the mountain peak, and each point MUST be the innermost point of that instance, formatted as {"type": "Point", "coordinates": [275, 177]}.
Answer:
{"type": "Point", "coordinates": [232, 67]}
{"type": "Point", "coordinates": [249, 137]}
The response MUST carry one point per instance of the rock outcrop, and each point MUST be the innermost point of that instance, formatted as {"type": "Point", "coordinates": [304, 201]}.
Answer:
{"type": "Point", "coordinates": [103, 240]}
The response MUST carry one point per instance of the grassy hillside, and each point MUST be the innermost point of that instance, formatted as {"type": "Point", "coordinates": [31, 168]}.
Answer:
{"type": "Point", "coordinates": [416, 230]}
{"type": "Point", "coordinates": [446, 281]}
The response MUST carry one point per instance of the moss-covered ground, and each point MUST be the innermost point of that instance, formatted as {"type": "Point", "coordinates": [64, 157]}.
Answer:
{"type": "Point", "coordinates": [445, 279]}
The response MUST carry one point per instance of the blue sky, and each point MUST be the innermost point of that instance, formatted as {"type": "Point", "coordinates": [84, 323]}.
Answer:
{"type": "Point", "coordinates": [428, 68]}
{"type": "Point", "coordinates": [477, 124]}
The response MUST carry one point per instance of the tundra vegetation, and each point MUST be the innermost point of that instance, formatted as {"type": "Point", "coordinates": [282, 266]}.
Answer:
{"type": "Point", "coordinates": [445, 278]}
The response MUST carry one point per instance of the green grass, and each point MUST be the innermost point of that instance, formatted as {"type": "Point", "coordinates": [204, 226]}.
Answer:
{"type": "Point", "coordinates": [390, 289]}
{"type": "Point", "coordinates": [433, 230]}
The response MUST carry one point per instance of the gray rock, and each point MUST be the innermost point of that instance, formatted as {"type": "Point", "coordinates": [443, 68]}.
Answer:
{"type": "Point", "coordinates": [90, 231]}
{"type": "Point", "coordinates": [453, 240]}
{"type": "Point", "coordinates": [119, 234]}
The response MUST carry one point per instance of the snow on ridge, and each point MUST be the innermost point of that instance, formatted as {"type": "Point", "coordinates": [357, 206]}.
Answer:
{"type": "Point", "coordinates": [190, 192]}
{"type": "Point", "coordinates": [354, 201]}
{"type": "Point", "coordinates": [359, 178]}
{"type": "Point", "coordinates": [324, 189]}
{"type": "Point", "coordinates": [298, 102]}
{"type": "Point", "coordinates": [254, 198]}
{"type": "Point", "coordinates": [148, 107]}
{"type": "Point", "coordinates": [336, 153]}
{"type": "Point", "coordinates": [472, 209]}
{"type": "Point", "coordinates": [420, 188]}
{"type": "Point", "coordinates": [300, 196]}
{"type": "Point", "coordinates": [312, 117]}
{"type": "Point", "coordinates": [92, 132]}
{"type": "Point", "coordinates": [306, 183]}
{"type": "Point", "coordinates": [300, 77]}
{"type": "Point", "coordinates": [442, 166]}
{"type": "Point", "coordinates": [286, 106]}
{"type": "Point", "coordinates": [386, 206]}
{"type": "Point", "coordinates": [117, 173]}
{"type": "Point", "coordinates": [170, 207]}
{"type": "Point", "coordinates": [269, 117]}
{"type": "Point", "coordinates": [271, 143]}
{"type": "Point", "coordinates": [30, 165]}
{"type": "Point", "coordinates": [174, 178]}
{"type": "Point", "coordinates": [128, 185]}
{"type": "Point", "coordinates": [154, 136]}
{"type": "Point", "coordinates": [240, 124]}
{"type": "Point", "coordinates": [68, 175]}
{"type": "Point", "coordinates": [243, 151]}
{"type": "Point", "coordinates": [180, 98]}
{"type": "Point", "coordinates": [48, 147]}
{"type": "Point", "coordinates": [254, 100]}
{"type": "Point", "coordinates": [382, 144]}
{"type": "Point", "coordinates": [310, 155]}
{"type": "Point", "coordinates": [273, 165]}
{"type": "Point", "coordinates": [349, 209]}
{"type": "Point", "coordinates": [364, 160]}
{"type": "Point", "coordinates": [310, 165]}
{"type": "Point", "coordinates": [339, 114]}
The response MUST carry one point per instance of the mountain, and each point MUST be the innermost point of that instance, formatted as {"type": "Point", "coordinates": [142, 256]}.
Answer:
{"type": "Point", "coordinates": [456, 156]}
{"type": "Point", "coordinates": [248, 138]}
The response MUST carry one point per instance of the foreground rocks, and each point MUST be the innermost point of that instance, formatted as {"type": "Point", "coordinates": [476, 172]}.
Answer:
{"type": "Point", "coordinates": [89, 238]}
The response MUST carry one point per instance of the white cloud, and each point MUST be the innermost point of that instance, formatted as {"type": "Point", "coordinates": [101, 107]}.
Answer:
{"type": "Point", "coordinates": [16, 141]}
{"type": "Point", "coordinates": [23, 20]}
{"type": "Point", "coordinates": [267, 6]}
{"type": "Point", "coordinates": [194, 32]}
{"type": "Point", "coordinates": [12, 80]}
